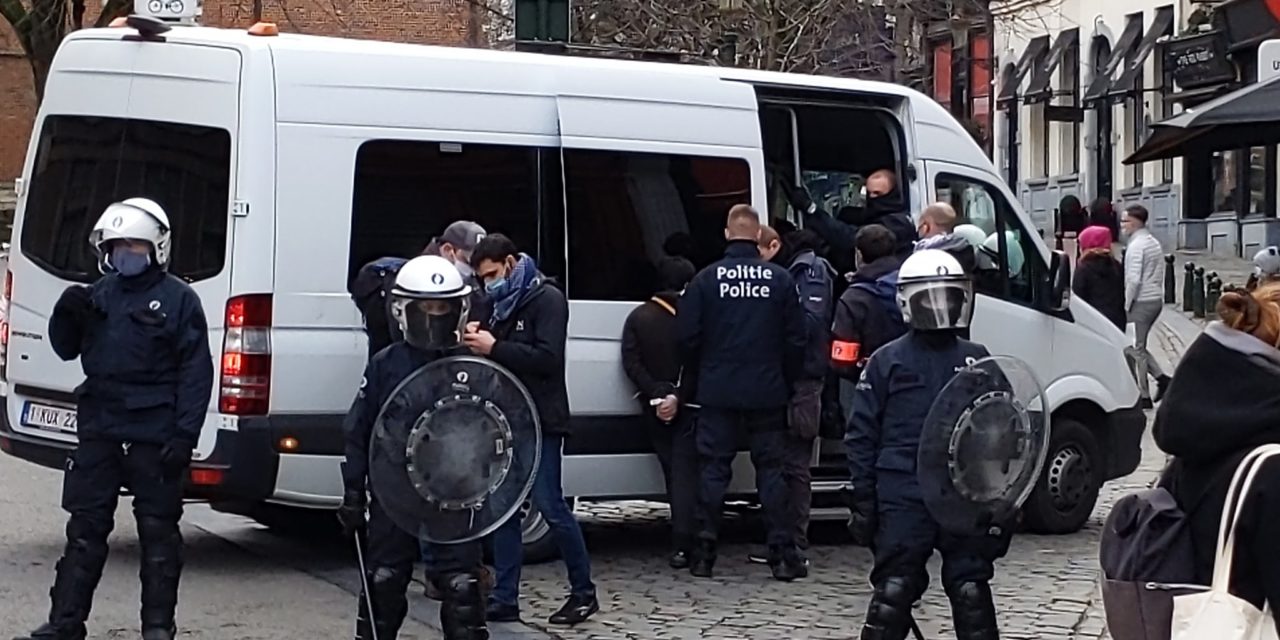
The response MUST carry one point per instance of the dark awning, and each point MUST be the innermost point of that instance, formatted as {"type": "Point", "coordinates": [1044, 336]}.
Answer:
{"type": "Point", "coordinates": [1101, 83]}
{"type": "Point", "coordinates": [1243, 118]}
{"type": "Point", "coordinates": [1038, 90]}
{"type": "Point", "coordinates": [1161, 26]}
{"type": "Point", "coordinates": [1034, 52]}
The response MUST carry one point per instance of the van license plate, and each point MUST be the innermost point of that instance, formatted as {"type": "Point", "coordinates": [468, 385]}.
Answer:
{"type": "Point", "coordinates": [49, 418]}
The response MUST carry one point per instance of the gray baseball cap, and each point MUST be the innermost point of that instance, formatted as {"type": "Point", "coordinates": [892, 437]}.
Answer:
{"type": "Point", "coordinates": [463, 234]}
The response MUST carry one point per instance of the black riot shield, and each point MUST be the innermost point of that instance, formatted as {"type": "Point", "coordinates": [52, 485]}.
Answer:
{"type": "Point", "coordinates": [454, 451]}
{"type": "Point", "coordinates": [983, 445]}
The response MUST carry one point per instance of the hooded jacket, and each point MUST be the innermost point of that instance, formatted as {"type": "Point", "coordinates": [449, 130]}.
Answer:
{"type": "Point", "coordinates": [1209, 427]}
{"type": "Point", "coordinates": [866, 319]}
{"type": "Point", "coordinates": [956, 246]}
{"type": "Point", "coordinates": [1099, 280]}
{"type": "Point", "coordinates": [531, 343]}
{"type": "Point", "coordinates": [650, 350]}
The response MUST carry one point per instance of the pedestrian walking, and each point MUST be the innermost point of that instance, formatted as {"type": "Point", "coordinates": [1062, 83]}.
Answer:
{"type": "Point", "coordinates": [1143, 298]}
{"type": "Point", "coordinates": [143, 344]}
{"type": "Point", "coordinates": [528, 330]}
{"type": "Point", "coordinates": [741, 324]}
{"type": "Point", "coordinates": [651, 358]}
{"type": "Point", "coordinates": [1071, 216]}
{"type": "Point", "coordinates": [1099, 277]}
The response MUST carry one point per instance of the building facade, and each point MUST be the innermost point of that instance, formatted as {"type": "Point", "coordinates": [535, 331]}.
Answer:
{"type": "Point", "coordinates": [447, 22]}
{"type": "Point", "coordinates": [1080, 83]}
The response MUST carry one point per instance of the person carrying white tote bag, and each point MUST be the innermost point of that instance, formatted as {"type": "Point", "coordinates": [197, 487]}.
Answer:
{"type": "Point", "coordinates": [1216, 614]}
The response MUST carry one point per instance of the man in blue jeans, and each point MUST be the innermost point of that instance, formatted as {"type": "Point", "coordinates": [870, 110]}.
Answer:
{"type": "Point", "coordinates": [529, 325]}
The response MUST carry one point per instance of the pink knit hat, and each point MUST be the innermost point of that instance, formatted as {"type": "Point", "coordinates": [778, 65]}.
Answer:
{"type": "Point", "coordinates": [1095, 237]}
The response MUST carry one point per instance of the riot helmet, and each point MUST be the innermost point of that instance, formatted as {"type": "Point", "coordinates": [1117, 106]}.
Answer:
{"type": "Point", "coordinates": [1266, 263]}
{"type": "Point", "coordinates": [121, 226]}
{"type": "Point", "coordinates": [430, 302]}
{"type": "Point", "coordinates": [934, 292]}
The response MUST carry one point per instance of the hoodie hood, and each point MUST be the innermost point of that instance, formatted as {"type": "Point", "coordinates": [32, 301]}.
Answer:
{"type": "Point", "coordinates": [877, 269]}
{"type": "Point", "coordinates": [1201, 419]}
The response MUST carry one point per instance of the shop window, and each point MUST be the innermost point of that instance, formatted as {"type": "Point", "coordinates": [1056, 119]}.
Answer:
{"type": "Point", "coordinates": [1069, 96]}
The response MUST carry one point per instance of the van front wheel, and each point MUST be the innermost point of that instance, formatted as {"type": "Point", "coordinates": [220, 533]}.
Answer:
{"type": "Point", "coordinates": [1068, 488]}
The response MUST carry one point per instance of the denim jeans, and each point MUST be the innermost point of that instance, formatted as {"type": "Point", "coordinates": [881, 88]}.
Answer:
{"type": "Point", "coordinates": [548, 498]}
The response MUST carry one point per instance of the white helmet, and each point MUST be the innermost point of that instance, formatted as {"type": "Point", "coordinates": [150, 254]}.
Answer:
{"type": "Point", "coordinates": [430, 301]}
{"type": "Point", "coordinates": [1016, 258]}
{"type": "Point", "coordinates": [972, 233]}
{"type": "Point", "coordinates": [1266, 263]}
{"type": "Point", "coordinates": [133, 219]}
{"type": "Point", "coordinates": [934, 292]}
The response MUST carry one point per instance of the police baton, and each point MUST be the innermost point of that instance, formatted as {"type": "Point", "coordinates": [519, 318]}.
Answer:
{"type": "Point", "coordinates": [364, 577]}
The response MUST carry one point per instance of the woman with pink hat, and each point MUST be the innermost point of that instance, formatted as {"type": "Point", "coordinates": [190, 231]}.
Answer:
{"type": "Point", "coordinates": [1099, 278]}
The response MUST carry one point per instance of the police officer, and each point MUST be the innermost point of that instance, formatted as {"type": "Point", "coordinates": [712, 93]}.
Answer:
{"type": "Point", "coordinates": [1266, 268]}
{"type": "Point", "coordinates": [430, 302]}
{"type": "Point", "coordinates": [143, 343]}
{"type": "Point", "coordinates": [743, 330]}
{"type": "Point", "coordinates": [893, 397]}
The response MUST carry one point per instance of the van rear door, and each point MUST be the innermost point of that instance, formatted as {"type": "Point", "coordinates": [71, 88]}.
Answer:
{"type": "Point", "coordinates": [119, 119]}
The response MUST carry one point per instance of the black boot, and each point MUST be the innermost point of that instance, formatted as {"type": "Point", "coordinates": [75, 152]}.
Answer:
{"type": "Point", "coordinates": [704, 559]}
{"type": "Point", "coordinates": [387, 589]}
{"type": "Point", "coordinates": [787, 563]}
{"type": "Point", "coordinates": [889, 613]}
{"type": "Point", "coordinates": [973, 611]}
{"type": "Point", "coordinates": [462, 608]}
{"type": "Point", "coordinates": [160, 572]}
{"type": "Point", "coordinates": [49, 632]}
{"type": "Point", "coordinates": [76, 577]}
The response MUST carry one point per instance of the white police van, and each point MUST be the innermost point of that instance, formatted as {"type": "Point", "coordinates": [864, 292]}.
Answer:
{"type": "Point", "coordinates": [286, 162]}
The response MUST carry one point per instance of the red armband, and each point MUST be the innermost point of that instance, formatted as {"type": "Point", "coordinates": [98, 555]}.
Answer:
{"type": "Point", "coordinates": [845, 352]}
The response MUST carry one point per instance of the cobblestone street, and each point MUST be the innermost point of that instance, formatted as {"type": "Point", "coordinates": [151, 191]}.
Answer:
{"type": "Point", "coordinates": [1046, 588]}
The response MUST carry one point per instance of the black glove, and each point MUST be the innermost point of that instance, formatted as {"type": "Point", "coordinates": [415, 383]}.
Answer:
{"type": "Point", "coordinates": [798, 196]}
{"type": "Point", "coordinates": [862, 517]}
{"type": "Point", "coordinates": [352, 512]}
{"type": "Point", "coordinates": [77, 300]}
{"type": "Point", "coordinates": [175, 458]}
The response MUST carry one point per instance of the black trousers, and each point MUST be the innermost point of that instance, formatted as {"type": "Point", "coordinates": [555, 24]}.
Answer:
{"type": "Point", "coordinates": [94, 477]}
{"type": "Point", "coordinates": [391, 552]}
{"type": "Point", "coordinates": [674, 445]}
{"type": "Point", "coordinates": [718, 433]}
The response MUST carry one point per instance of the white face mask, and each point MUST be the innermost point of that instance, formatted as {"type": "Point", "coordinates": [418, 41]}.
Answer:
{"type": "Point", "coordinates": [464, 268]}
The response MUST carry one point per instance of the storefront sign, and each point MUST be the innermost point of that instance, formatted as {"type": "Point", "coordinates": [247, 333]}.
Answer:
{"type": "Point", "coordinates": [1268, 60]}
{"type": "Point", "coordinates": [1199, 60]}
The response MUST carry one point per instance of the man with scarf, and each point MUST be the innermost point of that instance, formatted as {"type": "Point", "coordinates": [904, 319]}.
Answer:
{"type": "Point", "coordinates": [528, 329]}
{"type": "Point", "coordinates": [885, 206]}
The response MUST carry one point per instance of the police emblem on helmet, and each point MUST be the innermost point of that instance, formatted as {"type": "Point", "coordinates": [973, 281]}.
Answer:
{"type": "Point", "coordinates": [943, 270]}
{"type": "Point", "coordinates": [462, 377]}
{"type": "Point", "coordinates": [437, 278]}
{"type": "Point", "coordinates": [119, 220]}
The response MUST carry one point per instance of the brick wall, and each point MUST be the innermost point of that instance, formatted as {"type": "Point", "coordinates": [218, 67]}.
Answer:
{"type": "Point", "coordinates": [446, 22]}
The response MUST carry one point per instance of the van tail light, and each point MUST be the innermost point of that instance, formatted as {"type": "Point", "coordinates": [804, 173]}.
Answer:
{"type": "Point", "coordinates": [246, 356]}
{"type": "Point", "coordinates": [4, 325]}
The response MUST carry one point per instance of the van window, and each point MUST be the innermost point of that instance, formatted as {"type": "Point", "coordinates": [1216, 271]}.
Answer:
{"type": "Point", "coordinates": [627, 210]}
{"type": "Point", "coordinates": [85, 163]}
{"type": "Point", "coordinates": [1018, 265]}
{"type": "Point", "coordinates": [407, 192]}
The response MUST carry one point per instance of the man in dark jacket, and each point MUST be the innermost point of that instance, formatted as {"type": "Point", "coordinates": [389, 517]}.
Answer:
{"type": "Point", "coordinates": [651, 358]}
{"type": "Point", "coordinates": [529, 324]}
{"type": "Point", "coordinates": [143, 343]}
{"type": "Point", "coordinates": [740, 321]}
{"type": "Point", "coordinates": [867, 316]}
{"type": "Point", "coordinates": [885, 205]}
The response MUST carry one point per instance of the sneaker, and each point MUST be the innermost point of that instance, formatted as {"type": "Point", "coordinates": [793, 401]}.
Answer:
{"type": "Point", "coordinates": [679, 560]}
{"type": "Point", "coordinates": [790, 565]}
{"type": "Point", "coordinates": [575, 610]}
{"type": "Point", "coordinates": [759, 556]}
{"type": "Point", "coordinates": [498, 612]}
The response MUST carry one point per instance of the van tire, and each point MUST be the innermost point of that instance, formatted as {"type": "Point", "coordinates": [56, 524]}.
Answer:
{"type": "Point", "coordinates": [535, 533]}
{"type": "Point", "coordinates": [1067, 491]}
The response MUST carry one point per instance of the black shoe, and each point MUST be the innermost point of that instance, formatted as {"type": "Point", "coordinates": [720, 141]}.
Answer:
{"type": "Point", "coordinates": [789, 565]}
{"type": "Point", "coordinates": [50, 632]}
{"type": "Point", "coordinates": [575, 610]}
{"type": "Point", "coordinates": [498, 612]}
{"type": "Point", "coordinates": [760, 556]}
{"type": "Point", "coordinates": [704, 558]}
{"type": "Point", "coordinates": [679, 560]}
{"type": "Point", "coordinates": [159, 633]}
{"type": "Point", "coordinates": [1162, 385]}
{"type": "Point", "coordinates": [1147, 404]}
{"type": "Point", "coordinates": [431, 592]}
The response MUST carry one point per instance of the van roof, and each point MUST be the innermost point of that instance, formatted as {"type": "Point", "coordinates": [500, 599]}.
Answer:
{"type": "Point", "coordinates": [949, 141]}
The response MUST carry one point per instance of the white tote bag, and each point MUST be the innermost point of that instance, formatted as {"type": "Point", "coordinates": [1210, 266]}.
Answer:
{"type": "Point", "coordinates": [1216, 614]}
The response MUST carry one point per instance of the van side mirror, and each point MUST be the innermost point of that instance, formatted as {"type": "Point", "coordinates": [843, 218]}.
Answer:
{"type": "Point", "coordinates": [1059, 281]}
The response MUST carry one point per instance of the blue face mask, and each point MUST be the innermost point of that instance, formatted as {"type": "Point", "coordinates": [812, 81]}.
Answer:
{"type": "Point", "coordinates": [495, 285]}
{"type": "Point", "coordinates": [128, 263]}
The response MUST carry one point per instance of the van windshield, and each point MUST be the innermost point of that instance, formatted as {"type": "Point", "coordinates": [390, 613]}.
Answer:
{"type": "Point", "coordinates": [84, 163]}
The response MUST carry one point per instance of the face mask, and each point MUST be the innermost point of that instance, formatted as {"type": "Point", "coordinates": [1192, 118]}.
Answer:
{"type": "Point", "coordinates": [128, 263]}
{"type": "Point", "coordinates": [495, 285]}
{"type": "Point", "coordinates": [464, 268]}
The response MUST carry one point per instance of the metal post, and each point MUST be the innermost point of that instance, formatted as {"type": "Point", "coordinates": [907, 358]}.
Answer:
{"type": "Point", "coordinates": [1212, 294]}
{"type": "Point", "coordinates": [1170, 281]}
{"type": "Point", "coordinates": [1197, 303]}
{"type": "Point", "coordinates": [1188, 285]}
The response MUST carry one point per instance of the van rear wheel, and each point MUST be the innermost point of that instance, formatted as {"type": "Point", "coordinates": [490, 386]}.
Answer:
{"type": "Point", "coordinates": [535, 533]}
{"type": "Point", "coordinates": [1067, 492]}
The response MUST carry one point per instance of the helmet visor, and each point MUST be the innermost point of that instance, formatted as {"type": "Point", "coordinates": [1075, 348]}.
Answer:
{"type": "Point", "coordinates": [431, 324]}
{"type": "Point", "coordinates": [939, 306]}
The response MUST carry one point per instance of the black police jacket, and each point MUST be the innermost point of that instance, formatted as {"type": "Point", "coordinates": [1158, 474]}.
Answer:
{"type": "Point", "coordinates": [531, 344]}
{"type": "Point", "coordinates": [742, 329]}
{"type": "Point", "coordinates": [896, 391]}
{"type": "Point", "coordinates": [144, 349]}
{"type": "Point", "coordinates": [386, 370]}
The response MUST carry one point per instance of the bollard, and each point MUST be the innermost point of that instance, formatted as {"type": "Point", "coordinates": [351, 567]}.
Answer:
{"type": "Point", "coordinates": [1213, 292]}
{"type": "Point", "coordinates": [1188, 286]}
{"type": "Point", "coordinates": [1197, 294]}
{"type": "Point", "coordinates": [1170, 281]}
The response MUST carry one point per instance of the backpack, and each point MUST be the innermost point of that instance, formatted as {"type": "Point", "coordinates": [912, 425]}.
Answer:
{"type": "Point", "coordinates": [885, 291]}
{"type": "Point", "coordinates": [371, 291]}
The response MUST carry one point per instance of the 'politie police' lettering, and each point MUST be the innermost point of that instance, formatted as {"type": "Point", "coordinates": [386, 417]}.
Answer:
{"type": "Point", "coordinates": [743, 280]}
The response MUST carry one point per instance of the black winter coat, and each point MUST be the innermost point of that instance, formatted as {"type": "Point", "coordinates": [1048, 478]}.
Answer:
{"type": "Point", "coordinates": [1209, 427]}
{"type": "Point", "coordinates": [1099, 280]}
{"type": "Point", "coordinates": [146, 360]}
{"type": "Point", "coordinates": [741, 327]}
{"type": "Point", "coordinates": [650, 349]}
{"type": "Point", "coordinates": [531, 344]}
{"type": "Point", "coordinates": [864, 319]}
